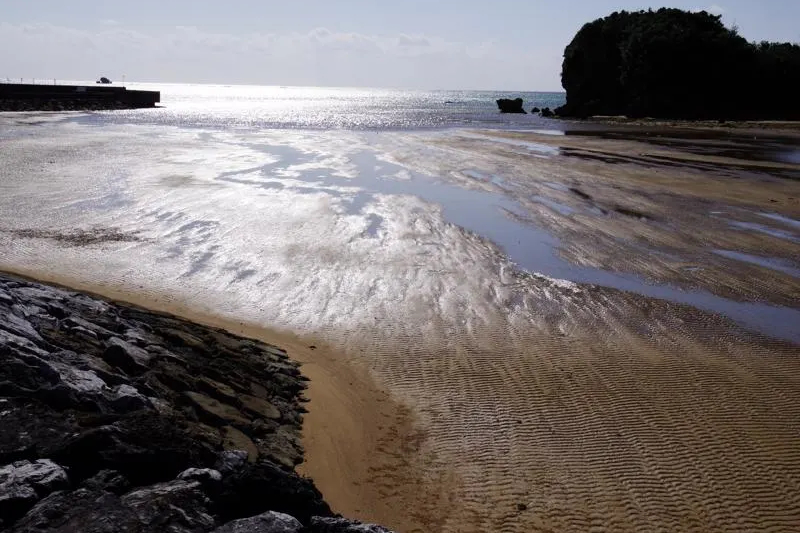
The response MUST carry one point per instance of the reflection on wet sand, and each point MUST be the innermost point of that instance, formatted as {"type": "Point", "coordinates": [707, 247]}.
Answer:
{"type": "Point", "coordinates": [562, 342]}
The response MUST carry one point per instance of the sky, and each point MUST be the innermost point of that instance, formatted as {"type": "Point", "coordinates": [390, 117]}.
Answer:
{"type": "Point", "coordinates": [433, 44]}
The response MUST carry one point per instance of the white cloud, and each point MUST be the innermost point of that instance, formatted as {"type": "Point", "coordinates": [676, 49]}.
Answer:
{"type": "Point", "coordinates": [413, 40]}
{"type": "Point", "coordinates": [317, 57]}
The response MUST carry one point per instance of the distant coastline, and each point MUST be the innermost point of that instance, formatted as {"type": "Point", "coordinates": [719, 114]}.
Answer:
{"type": "Point", "coordinates": [33, 97]}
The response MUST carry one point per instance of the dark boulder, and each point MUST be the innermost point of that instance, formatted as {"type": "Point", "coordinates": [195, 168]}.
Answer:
{"type": "Point", "coordinates": [84, 510]}
{"type": "Point", "coordinates": [231, 461]}
{"type": "Point", "coordinates": [342, 525]}
{"type": "Point", "coordinates": [143, 447]}
{"type": "Point", "coordinates": [264, 486]}
{"type": "Point", "coordinates": [126, 356]}
{"type": "Point", "coordinates": [535, 110]}
{"type": "Point", "coordinates": [507, 105]}
{"type": "Point", "coordinates": [270, 522]}
{"type": "Point", "coordinates": [108, 481]}
{"type": "Point", "coordinates": [547, 112]}
{"type": "Point", "coordinates": [23, 483]}
{"type": "Point", "coordinates": [178, 506]}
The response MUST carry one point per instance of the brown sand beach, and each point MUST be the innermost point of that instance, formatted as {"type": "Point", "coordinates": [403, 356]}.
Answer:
{"type": "Point", "coordinates": [455, 388]}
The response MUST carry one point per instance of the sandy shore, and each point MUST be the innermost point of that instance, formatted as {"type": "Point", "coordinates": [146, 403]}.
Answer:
{"type": "Point", "coordinates": [451, 390]}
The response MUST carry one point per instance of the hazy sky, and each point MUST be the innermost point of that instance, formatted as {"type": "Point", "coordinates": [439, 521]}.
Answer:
{"type": "Point", "coordinates": [447, 44]}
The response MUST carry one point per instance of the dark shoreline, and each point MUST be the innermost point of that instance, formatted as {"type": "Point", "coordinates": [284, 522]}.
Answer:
{"type": "Point", "coordinates": [120, 419]}
{"type": "Point", "coordinates": [29, 97]}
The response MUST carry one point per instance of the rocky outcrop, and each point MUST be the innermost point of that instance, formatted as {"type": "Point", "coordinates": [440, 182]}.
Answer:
{"type": "Point", "coordinates": [118, 419]}
{"type": "Point", "coordinates": [340, 525]}
{"type": "Point", "coordinates": [547, 113]}
{"type": "Point", "coordinates": [22, 483]}
{"type": "Point", "coordinates": [507, 105]}
{"type": "Point", "coordinates": [270, 522]}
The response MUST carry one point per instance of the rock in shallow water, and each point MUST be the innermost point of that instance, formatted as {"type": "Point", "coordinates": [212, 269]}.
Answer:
{"type": "Point", "coordinates": [507, 105]}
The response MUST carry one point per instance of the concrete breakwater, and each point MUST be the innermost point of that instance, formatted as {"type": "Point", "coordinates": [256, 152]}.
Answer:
{"type": "Point", "coordinates": [119, 419]}
{"type": "Point", "coordinates": [30, 97]}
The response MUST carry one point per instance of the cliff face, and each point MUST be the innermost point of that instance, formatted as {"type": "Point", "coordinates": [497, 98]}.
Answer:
{"type": "Point", "coordinates": [676, 64]}
{"type": "Point", "coordinates": [118, 419]}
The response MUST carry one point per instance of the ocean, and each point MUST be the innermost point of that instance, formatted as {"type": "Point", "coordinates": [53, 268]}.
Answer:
{"type": "Point", "coordinates": [243, 106]}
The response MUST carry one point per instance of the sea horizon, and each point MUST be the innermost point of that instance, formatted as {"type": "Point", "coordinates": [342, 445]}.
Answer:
{"type": "Point", "coordinates": [318, 108]}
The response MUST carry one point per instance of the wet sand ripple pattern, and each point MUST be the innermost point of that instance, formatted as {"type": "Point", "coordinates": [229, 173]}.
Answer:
{"type": "Point", "coordinates": [578, 451]}
{"type": "Point", "coordinates": [612, 432]}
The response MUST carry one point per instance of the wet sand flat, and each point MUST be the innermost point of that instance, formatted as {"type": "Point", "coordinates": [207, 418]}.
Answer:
{"type": "Point", "coordinates": [507, 336]}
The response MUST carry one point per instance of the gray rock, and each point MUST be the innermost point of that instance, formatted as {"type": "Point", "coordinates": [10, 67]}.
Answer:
{"type": "Point", "coordinates": [80, 330]}
{"type": "Point", "coordinates": [204, 476]}
{"type": "Point", "coordinates": [177, 506]}
{"type": "Point", "coordinates": [19, 326]}
{"type": "Point", "coordinates": [43, 475]}
{"type": "Point", "coordinates": [231, 461]}
{"type": "Point", "coordinates": [80, 381]}
{"type": "Point", "coordinates": [105, 371]}
{"type": "Point", "coordinates": [141, 338]}
{"type": "Point", "coordinates": [15, 500]}
{"type": "Point", "coordinates": [125, 398]}
{"type": "Point", "coordinates": [23, 483]}
{"type": "Point", "coordinates": [5, 298]}
{"type": "Point", "coordinates": [109, 481]}
{"type": "Point", "coordinates": [270, 522]}
{"type": "Point", "coordinates": [19, 344]}
{"type": "Point", "coordinates": [35, 293]}
{"type": "Point", "coordinates": [77, 323]}
{"type": "Point", "coordinates": [126, 356]}
{"type": "Point", "coordinates": [82, 510]}
{"type": "Point", "coordinates": [28, 309]}
{"type": "Point", "coordinates": [342, 525]}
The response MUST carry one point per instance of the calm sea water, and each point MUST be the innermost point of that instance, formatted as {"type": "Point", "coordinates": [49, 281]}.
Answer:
{"type": "Point", "coordinates": [243, 106]}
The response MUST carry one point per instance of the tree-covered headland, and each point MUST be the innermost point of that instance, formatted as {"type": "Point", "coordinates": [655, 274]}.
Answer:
{"type": "Point", "coordinates": [671, 63]}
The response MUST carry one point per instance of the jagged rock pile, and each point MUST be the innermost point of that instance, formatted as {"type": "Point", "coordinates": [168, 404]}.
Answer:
{"type": "Point", "coordinates": [115, 419]}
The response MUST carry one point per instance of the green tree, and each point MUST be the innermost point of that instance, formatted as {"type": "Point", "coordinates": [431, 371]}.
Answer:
{"type": "Point", "coordinates": [677, 64]}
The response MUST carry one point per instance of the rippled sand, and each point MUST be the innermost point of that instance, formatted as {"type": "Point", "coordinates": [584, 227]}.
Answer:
{"type": "Point", "coordinates": [472, 369]}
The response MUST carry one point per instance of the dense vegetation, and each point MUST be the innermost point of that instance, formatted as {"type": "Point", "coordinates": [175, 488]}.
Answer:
{"type": "Point", "coordinates": [677, 64]}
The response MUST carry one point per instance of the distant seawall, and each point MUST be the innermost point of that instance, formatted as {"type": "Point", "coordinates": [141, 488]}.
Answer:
{"type": "Point", "coordinates": [28, 97]}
